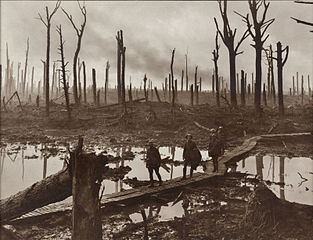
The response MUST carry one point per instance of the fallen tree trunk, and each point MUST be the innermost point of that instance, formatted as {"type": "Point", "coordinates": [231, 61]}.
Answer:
{"type": "Point", "coordinates": [52, 189]}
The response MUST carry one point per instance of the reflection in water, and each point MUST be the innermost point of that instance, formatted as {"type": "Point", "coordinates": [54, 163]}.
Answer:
{"type": "Point", "coordinates": [283, 175]}
{"type": "Point", "coordinates": [24, 167]}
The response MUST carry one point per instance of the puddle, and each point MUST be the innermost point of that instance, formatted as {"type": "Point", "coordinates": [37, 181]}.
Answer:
{"type": "Point", "coordinates": [290, 179]}
{"type": "Point", "coordinates": [23, 165]}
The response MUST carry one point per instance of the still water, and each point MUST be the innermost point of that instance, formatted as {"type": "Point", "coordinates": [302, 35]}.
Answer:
{"type": "Point", "coordinates": [290, 179]}
{"type": "Point", "coordinates": [23, 165]}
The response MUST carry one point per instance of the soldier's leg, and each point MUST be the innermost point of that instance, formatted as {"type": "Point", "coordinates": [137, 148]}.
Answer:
{"type": "Point", "coordinates": [184, 170]}
{"type": "Point", "coordinates": [151, 176]}
{"type": "Point", "coordinates": [158, 174]}
{"type": "Point", "coordinates": [191, 171]}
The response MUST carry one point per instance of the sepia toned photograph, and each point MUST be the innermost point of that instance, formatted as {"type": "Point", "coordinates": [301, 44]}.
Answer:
{"type": "Point", "coordinates": [152, 120]}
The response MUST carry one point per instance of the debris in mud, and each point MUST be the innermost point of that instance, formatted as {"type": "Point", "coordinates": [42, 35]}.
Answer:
{"type": "Point", "coordinates": [31, 157]}
{"type": "Point", "coordinates": [134, 182]}
{"type": "Point", "coordinates": [116, 174]}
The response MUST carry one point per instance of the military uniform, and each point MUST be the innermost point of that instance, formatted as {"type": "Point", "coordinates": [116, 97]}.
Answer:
{"type": "Point", "coordinates": [214, 151]}
{"type": "Point", "coordinates": [192, 157]}
{"type": "Point", "coordinates": [153, 163]}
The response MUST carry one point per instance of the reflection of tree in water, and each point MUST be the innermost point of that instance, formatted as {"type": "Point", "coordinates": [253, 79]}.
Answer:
{"type": "Point", "coordinates": [23, 164]}
{"type": "Point", "coordinates": [45, 163]}
{"type": "Point", "coordinates": [2, 156]}
{"type": "Point", "coordinates": [172, 151]}
{"type": "Point", "coordinates": [259, 165]}
{"type": "Point", "coordinates": [282, 177]}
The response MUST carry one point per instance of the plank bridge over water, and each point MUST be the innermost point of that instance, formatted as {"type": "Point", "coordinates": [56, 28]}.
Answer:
{"type": "Point", "coordinates": [140, 192]}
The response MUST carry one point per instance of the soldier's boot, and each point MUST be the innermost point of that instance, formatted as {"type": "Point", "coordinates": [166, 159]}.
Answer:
{"type": "Point", "coordinates": [191, 172]}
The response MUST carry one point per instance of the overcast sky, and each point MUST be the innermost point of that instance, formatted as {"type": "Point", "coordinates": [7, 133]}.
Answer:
{"type": "Point", "coordinates": [151, 31]}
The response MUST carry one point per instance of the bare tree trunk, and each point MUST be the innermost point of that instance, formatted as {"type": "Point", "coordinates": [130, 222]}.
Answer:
{"type": "Point", "coordinates": [32, 85]}
{"type": "Point", "coordinates": [196, 84]}
{"type": "Point", "coordinates": [280, 64]}
{"type": "Point", "coordinates": [182, 81]}
{"type": "Point", "coordinates": [213, 89]}
{"type": "Point", "coordinates": [243, 99]}
{"type": "Point", "coordinates": [157, 94]}
{"type": "Point", "coordinates": [118, 38]}
{"type": "Point", "coordinates": [94, 86]}
{"type": "Point", "coordinates": [186, 72]}
{"type": "Point", "coordinates": [106, 82]}
{"type": "Point", "coordinates": [85, 87]}
{"type": "Point", "coordinates": [297, 84]}
{"type": "Point", "coordinates": [79, 33]}
{"type": "Point", "coordinates": [302, 90]}
{"type": "Point", "coordinates": [293, 85]}
{"type": "Point", "coordinates": [191, 94]}
{"type": "Point", "coordinates": [264, 95]}
{"type": "Point", "coordinates": [145, 87]}
{"type": "Point", "coordinates": [63, 69]}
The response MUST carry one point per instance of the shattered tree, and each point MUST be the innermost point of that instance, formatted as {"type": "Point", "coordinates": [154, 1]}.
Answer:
{"type": "Point", "coordinates": [47, 23]}
{"type": "Point", "coordinates": [228, 37]}
{"type": "Point", "coordinates": [79, 33]}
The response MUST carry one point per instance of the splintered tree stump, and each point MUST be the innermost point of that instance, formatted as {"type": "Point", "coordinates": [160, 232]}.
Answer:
{"type": "Point", "coordinates": [87, 177]}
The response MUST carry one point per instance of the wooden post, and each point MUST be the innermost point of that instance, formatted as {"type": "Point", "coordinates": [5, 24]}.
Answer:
{"type": "Point", "coordinates": [290, 92]}
{"type": "Point", "coordinates": [94, 86]}
{"type": "Point", "coordinates": [242, 92]}
{"type": "Point", "coordinates": [145, 224]}
{"type": "Point", "coordinates": [191, 94]}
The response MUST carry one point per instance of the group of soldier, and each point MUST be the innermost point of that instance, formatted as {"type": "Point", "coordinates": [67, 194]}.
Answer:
{"type": "Point", "coordinates": [191, 154]}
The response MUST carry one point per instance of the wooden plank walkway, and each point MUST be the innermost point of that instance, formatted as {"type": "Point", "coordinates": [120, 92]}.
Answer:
{"type": "Point", "coordinates": [137, 193]}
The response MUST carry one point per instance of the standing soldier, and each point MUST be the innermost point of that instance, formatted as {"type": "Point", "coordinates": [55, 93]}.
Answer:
{"type": "Point", "coordinates": [153, 162]}
{"type": "Point", "coordinates": [191, 156]}
{"type": "Point", "coordinates": [214, 149]}
{"type": "Point", "coordinates": [221, 138]}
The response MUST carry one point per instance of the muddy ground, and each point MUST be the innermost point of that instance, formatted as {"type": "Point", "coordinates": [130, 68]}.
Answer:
{"type": "Point", "coordinates": [217, 209]}
{"type": "Point", "coordinates": [223, 207]}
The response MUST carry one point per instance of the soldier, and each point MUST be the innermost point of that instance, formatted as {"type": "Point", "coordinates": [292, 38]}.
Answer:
{"type": "Point", "coordinates": [221, 138]}
{"type": "Point", "coordinates": [191, 156]}
{"type": "Point", "coordinates": [153, 162]}
{"type": "Point", "coordinates": [214, 149]}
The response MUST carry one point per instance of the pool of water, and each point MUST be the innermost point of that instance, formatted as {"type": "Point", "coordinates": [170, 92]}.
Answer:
{"type": "Point", "coordinates": [290, 179]}
{"type": "Point", "coordinates": [23, 165]}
